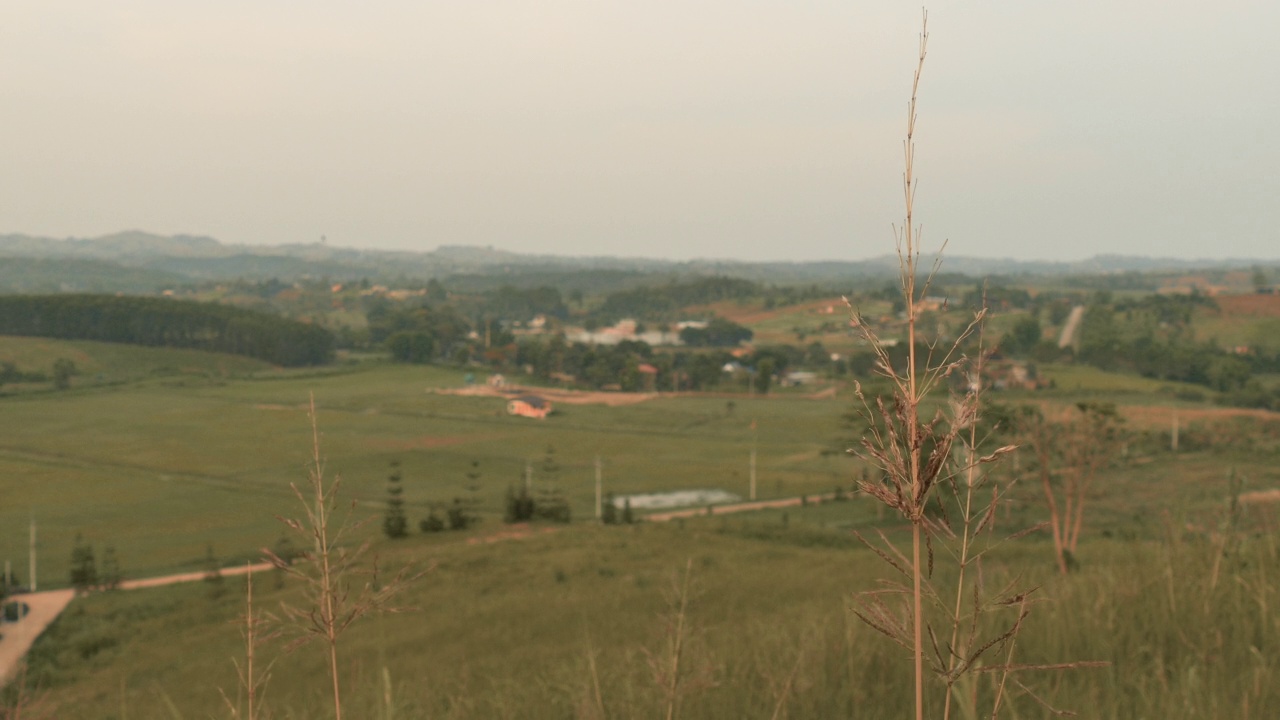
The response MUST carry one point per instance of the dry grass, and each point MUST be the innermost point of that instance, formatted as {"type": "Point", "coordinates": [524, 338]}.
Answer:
{"type": "Point", "coordinates": [916, 457]}
{"type": "Point", "coordinates": [329, 570]}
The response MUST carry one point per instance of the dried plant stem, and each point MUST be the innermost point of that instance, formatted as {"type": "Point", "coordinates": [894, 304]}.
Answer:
{"type": "Point", "coordinates": [675, 644]}
{"type": "Point", "coordinates": [918, 605]}
{"type": "Point", "coordinates": [595, 684]}
{"type": "Point", "coordinates": [1008, 665]}
{"type": "Point", "coordinates": [327, 585]}
{"type": "Point", "coordinates": [250, 640]}
{"type": "Point", "coordinates": [1084, 445]}
{"type": "Point", "coordinates": [333, 607]}
{"type": "Point", "coordinates": [970, 483]}
{"type": "Point", "coordinates": [909, 253]}
{"type": "Point", "coordinates": [1040, 444]}
{"type": "Point", "coordinates": [252, 680]}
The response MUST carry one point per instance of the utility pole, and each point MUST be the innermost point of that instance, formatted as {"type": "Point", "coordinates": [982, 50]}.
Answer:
{"type": "Point", "coordinates": [599, 499]}
{"type": "Point", "coordinates": [753, 472]}
{"type": "Point", "coordinates": [1173, 436]}
{"type": "Point", "coordinates": [528, 476]}
{"type": "Point", "coordinates": [32, 566]}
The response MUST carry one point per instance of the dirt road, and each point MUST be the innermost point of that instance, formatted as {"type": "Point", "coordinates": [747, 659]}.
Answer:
{"type": "Point", "coordinates": [45, 607]}
{"type": "Point", "coordinates": [16, 639]}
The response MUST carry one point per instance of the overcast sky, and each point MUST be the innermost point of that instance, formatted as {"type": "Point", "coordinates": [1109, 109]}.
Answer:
{"type": "Point", "coordinates": [752, 129]}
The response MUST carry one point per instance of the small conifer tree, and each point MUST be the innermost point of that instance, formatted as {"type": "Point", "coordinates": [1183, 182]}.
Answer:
{"type": "Point", "coordinates": [431, 523]}
{"type": "Point", "coordinates": [84, 569]}
{"type": "Point", "coordinates": [459, 515]}
{"type": "Point", "coordinates": [213, 573]}
{"type": "Point", "coordinates": [394, 524]}
{"type": "Point", "coordinates": [111, 575]}
{"type": "Point", "coordinates": [627, 517]}
{"type": "Point", "coordinates": [551, 504]}
{"type": "Point", "coordinates": [609, 512]}
{"type": "Point", "coordinates": [63, 370]}
{"type": "Point", "coordinates": [520, 507]}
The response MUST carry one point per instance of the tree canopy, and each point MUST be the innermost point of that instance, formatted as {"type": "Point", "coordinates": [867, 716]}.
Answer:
{"type": "Point", "coordinates": [163, 322]}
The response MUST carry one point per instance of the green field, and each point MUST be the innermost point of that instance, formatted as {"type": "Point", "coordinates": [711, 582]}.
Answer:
{"type": "Point", "coordinates": [165, 466]}
{"type": "Point", "coordinates": [108, 363]}
{"type": "Point", "coordinates": [216, 458]}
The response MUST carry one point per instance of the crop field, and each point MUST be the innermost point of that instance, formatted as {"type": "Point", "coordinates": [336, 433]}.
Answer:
{"type": "Point", "coordinates": [167, 468]}
{"type": "Point", "coordinates": [1251, 321]}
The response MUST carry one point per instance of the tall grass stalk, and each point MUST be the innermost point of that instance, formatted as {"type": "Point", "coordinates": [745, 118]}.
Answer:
{"type": "Point", "coordinates": [1069, 454]}
{"type": "Point", "coordinates": [915, 457]}
{"type": "Point", "coordinates": [251, 677]}
{"type": "Point", "coordinates": [20, 702]}
{"type": "Point", "coordinates": [329, 569]}
{"type": "Point", "coordinates": [676, 638]}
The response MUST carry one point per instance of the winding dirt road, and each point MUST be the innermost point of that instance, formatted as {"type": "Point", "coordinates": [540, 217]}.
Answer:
{"type": "Point", "coordinates": [45, 607]}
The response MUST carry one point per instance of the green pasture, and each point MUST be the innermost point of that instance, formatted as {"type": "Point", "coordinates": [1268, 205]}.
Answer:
{"type": "Point", "coordinates": [108, 363]}
{"type": "Point", "coordinates": [129, 464]}
{"type": "Point", "coordinates": [165, 469]}
{"type": "Point", "coordinates": [1087, 380]}
{"type": "Point", "coordinates": [1230, 331]}
{"type": "Point", "coordinates": [569, 624]}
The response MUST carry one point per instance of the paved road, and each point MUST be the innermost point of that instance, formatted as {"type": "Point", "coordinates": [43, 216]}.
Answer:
{"type": "Point", "coordinates": [46, 606]}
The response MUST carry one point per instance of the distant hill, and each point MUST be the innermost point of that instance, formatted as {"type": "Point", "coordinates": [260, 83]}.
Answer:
{"type": "Point", "coordinates": [53, 275]}
{"type": "Point", "coordinates": [136, 261]}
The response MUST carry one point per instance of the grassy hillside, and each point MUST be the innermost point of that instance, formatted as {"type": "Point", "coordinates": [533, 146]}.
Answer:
{"type": "Point", "coordinates": [107, 363]}
{"type": "Point", "coordinates": [166, 468]}
{"type": "Point", "coordinates": [128, 464]}
{"type": "Point", "coordinates": [569, 624]}
{"type": "Point", "coordinates": [1249, 320]}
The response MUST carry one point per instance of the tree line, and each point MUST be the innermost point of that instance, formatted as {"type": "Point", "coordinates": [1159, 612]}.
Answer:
{"type": "Point", "coordinates": [162, 322]}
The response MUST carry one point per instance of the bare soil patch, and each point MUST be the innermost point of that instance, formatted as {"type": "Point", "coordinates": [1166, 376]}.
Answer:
{"type": "Point", "coordinates": [1154, 416]}
{"type": "Point", "coordinates": [1161, 416]}
{"type": "Point", "coordinates": [749, 314]}
{"type": "Point", "coordinates": [1260, 496]}
{"type": "Point", "coordinates": [1251, 305]}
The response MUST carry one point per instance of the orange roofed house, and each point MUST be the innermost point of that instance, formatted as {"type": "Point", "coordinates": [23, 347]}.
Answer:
{"type": "Point", "coordinates": [530, 406]}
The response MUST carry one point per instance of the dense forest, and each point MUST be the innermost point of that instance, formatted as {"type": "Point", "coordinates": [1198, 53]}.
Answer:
{"type": "Point", "coordinates": [162, 322]}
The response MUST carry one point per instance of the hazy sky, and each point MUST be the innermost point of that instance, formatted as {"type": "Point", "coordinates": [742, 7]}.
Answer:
{"type": "Point", "coordinates": [750, 129]}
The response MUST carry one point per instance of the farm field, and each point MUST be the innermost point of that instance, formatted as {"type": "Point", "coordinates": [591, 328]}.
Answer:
{"type": "Point", "coordinates": [1247, 320]}
{"type": "Point", "coordinates": [106, 363]}
{"type": "Point", "coordinates": [168, 469]}
{"type": "Point", "coordinates": [200, 456]}
{"type": "Point", "coordinates": [215, 460]}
